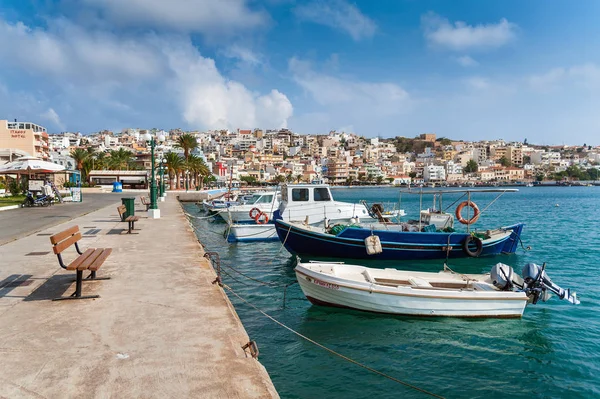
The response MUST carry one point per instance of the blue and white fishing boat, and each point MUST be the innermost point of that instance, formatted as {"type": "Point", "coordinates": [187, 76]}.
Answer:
{"type": "Point", "coordinates": [431, 237]}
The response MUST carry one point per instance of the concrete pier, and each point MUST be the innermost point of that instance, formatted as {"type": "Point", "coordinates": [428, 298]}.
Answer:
{"type": "Point", "coordinates": [159, 330]}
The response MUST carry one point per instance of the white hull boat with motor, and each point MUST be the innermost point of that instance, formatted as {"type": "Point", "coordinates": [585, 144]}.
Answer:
{"type": "Point", "coordinates": [310, 203]}
{"type": "Point", "coordinates": [499, 294]}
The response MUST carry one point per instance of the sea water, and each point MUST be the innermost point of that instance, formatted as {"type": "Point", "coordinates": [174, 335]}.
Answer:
{"type": "Point", "coordinates": [552, 352]}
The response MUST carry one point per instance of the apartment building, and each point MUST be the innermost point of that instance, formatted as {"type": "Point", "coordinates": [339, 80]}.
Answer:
{"type": "Point", "coordinates": [25, 136]}
{"type": "Point", "coordinates": [337, 170]}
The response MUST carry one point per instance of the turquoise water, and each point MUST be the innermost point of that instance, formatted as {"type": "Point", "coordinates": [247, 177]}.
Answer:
{"type": "Point", "coordinates": [552, 352]}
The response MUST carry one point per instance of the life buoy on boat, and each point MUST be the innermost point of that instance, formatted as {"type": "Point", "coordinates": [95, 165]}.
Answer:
{"type": "Point", "coordinates": [254, 212]}
{"type": "Point", "coordinates": [261, 218]}
{"type": "Point", "coordinates": [459, 209]}
{"type": "Point", "coordinates": [478, 246]}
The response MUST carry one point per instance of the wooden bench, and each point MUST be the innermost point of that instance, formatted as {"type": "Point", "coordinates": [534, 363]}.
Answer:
{"type": "Point", "coordinates": [90, 260]}
{"type": "Point", "coordinates": [129, 219]}
{"type": "Point", "coordinates": [145, 201]}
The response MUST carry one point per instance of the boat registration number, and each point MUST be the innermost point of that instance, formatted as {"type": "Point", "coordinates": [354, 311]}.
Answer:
{"type": "Point", "coordinates": [323, 283]}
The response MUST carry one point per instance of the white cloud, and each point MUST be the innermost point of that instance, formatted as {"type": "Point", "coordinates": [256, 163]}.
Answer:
{"type": "Point", "coordinates": [95, 78]}
{"type": "Point", "coordinates": [243, 54]}
{"type": "Point", "coordinates": [332, 91]}
{"type": "Point", "coordinates": [585, 75]}
{"type": "Point", "coordinates": [206, 16]}
{"type": "Point", "coordinates": [439, 32]}
{"type": "Point", "coordinates": [467, 61]}
{"type": "Point", "coordinates": [51, 116]}
{"type": "Point", "coordinates": [340, 15]}
{"type": "Point", "coordinates": [210, 100]}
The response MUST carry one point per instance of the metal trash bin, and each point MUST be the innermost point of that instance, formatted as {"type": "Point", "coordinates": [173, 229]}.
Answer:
{"type": "Point", "coordinates": [129, 203]}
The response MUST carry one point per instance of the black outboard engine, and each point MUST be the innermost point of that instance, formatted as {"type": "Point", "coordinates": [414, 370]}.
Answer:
{"type": "Point", "coordinates": [537, 283]}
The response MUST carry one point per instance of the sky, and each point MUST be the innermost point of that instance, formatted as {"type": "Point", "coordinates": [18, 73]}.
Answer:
{"type": "Point", "coordinates": [470, 70]}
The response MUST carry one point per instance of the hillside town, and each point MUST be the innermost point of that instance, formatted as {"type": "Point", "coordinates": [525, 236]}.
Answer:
{"type": "Point", "coordinates": [248, 157]}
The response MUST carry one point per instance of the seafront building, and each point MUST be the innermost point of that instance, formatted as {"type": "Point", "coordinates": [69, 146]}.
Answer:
{"type": "Point", "coordinates": [267, 155]}
{"type": "Point", "coordinates": [23, 138]}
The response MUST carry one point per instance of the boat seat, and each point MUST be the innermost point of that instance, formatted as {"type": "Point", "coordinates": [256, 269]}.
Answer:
{"type": "Point", "coordinates": [479, 286]}
{"type": "Point", "coordinates": [418, 282]}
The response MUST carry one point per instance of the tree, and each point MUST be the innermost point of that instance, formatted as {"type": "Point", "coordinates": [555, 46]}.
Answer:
{"type": "Point", "coordinates": [79, 155]}
{"type": "Point", "coordinates": [251, 180]}
{"type": "Point", "coordinates": [188, 143]}
{"type": "Point", "coordinates": [444, 141]}
{"type": "Point", "coordinates": [379, 179]}
{"type": "Point", "coordinates": [174, 167]}
{"type": "Point", "coordinates": [526, 159]}
{"type": "Point", "coordinates": [120, 159]}
{"type": "Point", "coordinates": [504, 161]}
{"type": "Point", "coordinates": [412, 175]}
{"type": "Point", "coordinates": [298, 178]}
{"type": "Point", "coordinates": [279, 179]}
{"type": "Point", "coordinates": [471, 166]}
{"type": "Point", "coordinates": [289, 178]}
{"type": "Point", "coordinates": [349, 180]}
{"type": "Point", "coordinates": [198, 168]}
{"type": "Point", "coordinates": [370, 177]}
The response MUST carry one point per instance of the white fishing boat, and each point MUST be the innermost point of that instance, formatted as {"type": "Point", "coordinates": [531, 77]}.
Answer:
{"type": "Point", "coordinates": [499, 294]}
{"type": "Point", "coordinates": [312, 204]}
{"type": "Point", "coordinates": [261, 202]}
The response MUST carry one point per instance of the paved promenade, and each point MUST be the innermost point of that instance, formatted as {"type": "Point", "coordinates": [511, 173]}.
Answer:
{"type": "Point", "coordinates": [159, 330]}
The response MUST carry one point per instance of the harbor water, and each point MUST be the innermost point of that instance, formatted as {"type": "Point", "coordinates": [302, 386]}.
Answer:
{"type": "Point", "coordinates": [552, 352]}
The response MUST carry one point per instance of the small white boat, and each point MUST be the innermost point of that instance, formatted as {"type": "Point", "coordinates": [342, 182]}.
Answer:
{"type": "Point", "coordinates": [245, 232]}
{"type": "Point", "coordinates": [500, 293]}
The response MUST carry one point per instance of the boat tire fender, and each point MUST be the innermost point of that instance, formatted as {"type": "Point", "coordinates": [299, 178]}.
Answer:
{"type": "Point", "coordinates": [459, 209]}
{"type": "Point", "coordinates": [261, 218]}
{"type": "Point", "coordinates": [478, 245]}
{"type": "Point", "coordinates": [254, 212]}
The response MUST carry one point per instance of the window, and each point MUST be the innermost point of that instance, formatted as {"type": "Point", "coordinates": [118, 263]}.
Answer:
{"type": "Point", "coordinates": [300, 194]}
{"type": "Point", "coordinates": [265, 199]}
{"type": "Point", "coordinates": [322, 194]}
{"type": "Point", "coordinates": [28, 126]}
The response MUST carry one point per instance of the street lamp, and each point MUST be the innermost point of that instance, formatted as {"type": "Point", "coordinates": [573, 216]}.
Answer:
{"type": "Point", "coordinates": [163, 166]}
{"type": "Point", "coordinates": [153, 212]}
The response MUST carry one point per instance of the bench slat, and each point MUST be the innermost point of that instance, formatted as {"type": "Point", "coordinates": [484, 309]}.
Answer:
{"type": "Point", "coordinates": [75, 264]}
{"type": "Point", "coordinates": [132, 218]}
{"type": "Point", "coordinates": [61, 246]}
{"type": "Point", "coordinates": [90, 259]}
{"type": "Point", "coordinates": [58, 237]}
{"type": "Point", "coordinates": [121, 209]}
{"type": "Point", "coordinates": [100, 259]}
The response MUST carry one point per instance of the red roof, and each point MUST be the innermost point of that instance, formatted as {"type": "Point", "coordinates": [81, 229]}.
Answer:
{"type": "Point", "coordinates": [245, 131]}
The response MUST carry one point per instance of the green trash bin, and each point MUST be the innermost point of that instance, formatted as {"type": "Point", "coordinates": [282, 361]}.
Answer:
{"type": "Point", "coordinates": [129, 203]}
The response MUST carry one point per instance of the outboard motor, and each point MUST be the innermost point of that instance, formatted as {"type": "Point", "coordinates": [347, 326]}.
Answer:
{"type": "Point", "coordinates": [537, 282]}
{"type": "Point", "coordinates": [504, 278]}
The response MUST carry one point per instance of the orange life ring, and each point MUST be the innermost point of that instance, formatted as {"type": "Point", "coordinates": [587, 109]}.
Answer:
{"type": "Point", "coordinates": [258, 217]}
{"type": "Point", "coordinates": [459, 209]}
{"type": "Point", "coordinates": [254, 212]}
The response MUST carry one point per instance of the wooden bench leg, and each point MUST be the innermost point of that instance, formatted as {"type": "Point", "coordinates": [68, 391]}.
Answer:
{"type": "Point", "coordinates": [77, 293]}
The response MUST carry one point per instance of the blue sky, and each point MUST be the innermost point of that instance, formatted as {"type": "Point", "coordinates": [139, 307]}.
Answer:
{"type": "Point", "coordinates": [461, 69]}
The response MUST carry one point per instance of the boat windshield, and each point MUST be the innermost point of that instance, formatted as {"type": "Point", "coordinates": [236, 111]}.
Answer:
{"type": "Point", "coordinates": [261, 199]}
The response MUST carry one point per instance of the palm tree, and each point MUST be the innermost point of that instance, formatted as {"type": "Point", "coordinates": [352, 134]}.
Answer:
{"type": "Point", "coordinates": [120, 159]}
{"type": "Point", "coordinates": [188, 143]}
{"type": "Point", "coordinates": [289, 178]}
{"type": "Point", "coordinates": [199, 170]}
{"type": "Point", "coordinates": [79, 155]}
{"type": "Point", "coordinates": [174, 167]}
{"type": "Point", "coordinates": [279, 178]}
{"type": "Point", "coordinates": [298, 178]}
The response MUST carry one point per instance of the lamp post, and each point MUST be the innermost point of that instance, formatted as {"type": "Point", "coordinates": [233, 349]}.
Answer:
{"type": "Point", "coordinates": [153, 212]}
{"type": "Point", "coordinates": [163, 165]}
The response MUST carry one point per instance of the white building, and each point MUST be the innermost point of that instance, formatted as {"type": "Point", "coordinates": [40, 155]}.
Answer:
{"type": "Point", "coordinates": [434, 173]}
{"type": "Point", "coordinates": [453, 168]}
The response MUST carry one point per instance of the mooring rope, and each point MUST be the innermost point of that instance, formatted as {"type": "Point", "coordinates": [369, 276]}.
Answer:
{"type": "Point", "coordinates": [406, 384]}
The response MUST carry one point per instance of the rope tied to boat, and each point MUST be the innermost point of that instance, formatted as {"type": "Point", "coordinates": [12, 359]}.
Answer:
{"type": "Point", "coordinates": [333, 352]}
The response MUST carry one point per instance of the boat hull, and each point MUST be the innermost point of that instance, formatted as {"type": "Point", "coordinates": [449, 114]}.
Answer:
{"type": "Point", "coordinates": [396, 245]}
{"type": "Point", "coordinates": [326, 290]}
{"type": "Point", "coordinates": [252, 232]}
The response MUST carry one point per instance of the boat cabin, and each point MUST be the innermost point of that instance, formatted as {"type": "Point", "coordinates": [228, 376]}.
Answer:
{"type": "Point", "coordinates": [261, 198]}
{"type": "Point", "coordinates": [303, 193]}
